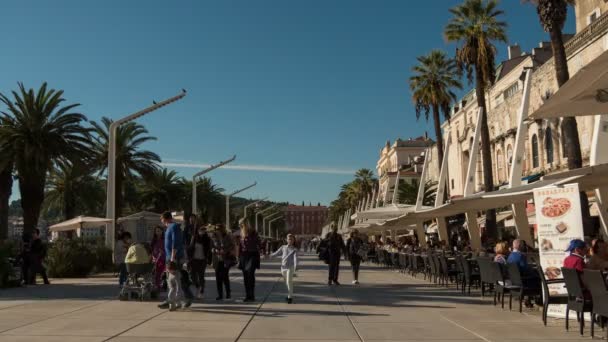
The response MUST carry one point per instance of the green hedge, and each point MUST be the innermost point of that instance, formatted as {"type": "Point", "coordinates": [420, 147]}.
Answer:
{"type": "Point", "coordinates": [75, 258]}
{"type": "Point", "coordinates": [7, 249]}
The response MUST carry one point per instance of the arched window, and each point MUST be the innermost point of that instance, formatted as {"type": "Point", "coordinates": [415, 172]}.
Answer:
{"type": "Point", "coordinates": [549, 145]}
{"type": "Point", "coordinates": [534, 151]}
{"type": "Point", "coordinates": [509, 157]}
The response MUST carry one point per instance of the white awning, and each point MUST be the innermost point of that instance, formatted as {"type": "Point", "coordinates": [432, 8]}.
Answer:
{"type": "Point", "coordinates": [80, 222]}
{"type": "Point", "coordinates": [383, 213]}
{"type": "Point", "coordinates": [586, 93]}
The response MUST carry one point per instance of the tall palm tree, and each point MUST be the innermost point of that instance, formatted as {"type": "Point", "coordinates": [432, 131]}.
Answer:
{"type": "Point", "coordinates": [431, 84]}
{"type": "Point", "coordinates": [131, 161]}
{"type": "Point", "coordinates": [552, 15]}
{"type": "Point", "coordinates": [6, 189]}
{"type": "Point", "coordinates": [209, 199]}
{"type": "Point", "coordinates": [475, 25]}
{"type": "Point", "coordinates": [37, 131]}
{"type": "Point", "coordinates": [408, 193]}
{"type": "Point", "coordinates": [73, 190]}
{"type": "Point", "coordinates": [365, 180]}
{"type": "Point", "coordinates": [161, 190]}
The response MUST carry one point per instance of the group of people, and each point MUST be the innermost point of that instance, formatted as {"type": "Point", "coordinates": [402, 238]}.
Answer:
{"type": "Point", "coordinates": [333, 247]}
{"type": "Point", "coordinates": [181, 256]}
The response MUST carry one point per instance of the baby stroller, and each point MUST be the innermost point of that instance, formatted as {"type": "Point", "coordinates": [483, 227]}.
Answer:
{"type": "Point", "coordinates": [139, 284]}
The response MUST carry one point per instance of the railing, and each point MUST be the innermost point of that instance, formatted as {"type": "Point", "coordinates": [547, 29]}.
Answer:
{"type": "Point", "coordinates": [590, 32]}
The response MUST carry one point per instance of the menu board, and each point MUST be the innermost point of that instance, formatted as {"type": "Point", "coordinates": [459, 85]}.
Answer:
{"type": "Point", "coordinates": [559, 220]}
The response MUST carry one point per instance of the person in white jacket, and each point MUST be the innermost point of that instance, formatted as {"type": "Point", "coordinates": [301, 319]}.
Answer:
{"type": "Point", "coordinates": [289, 263]}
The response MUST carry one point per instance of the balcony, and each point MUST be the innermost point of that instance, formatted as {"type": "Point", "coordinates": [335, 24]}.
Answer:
{"type": "Point", "coordinates": [587, 35]}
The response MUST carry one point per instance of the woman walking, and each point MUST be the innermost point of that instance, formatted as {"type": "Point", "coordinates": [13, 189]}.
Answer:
{"type": "Point", "coordinates": [249, 258]}
{"type": "Point", "coordinates": [289, 263]}
{"type": "Point", "coordinates": [158, 256]}
{"type": "Point", "coordinates": [223, 258]}
{"type": "Point", "coordinates": [355, 244]}
{"type": "Point", "coordinates": [199, 254]}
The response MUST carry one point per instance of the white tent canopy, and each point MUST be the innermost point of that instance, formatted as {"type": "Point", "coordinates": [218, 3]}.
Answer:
{"type": "Point", "coordinates": [586, 93]}
{"type": "Point", "coordinates": [78, 223]}
{"type": "Point", "coordinates": [383, 213]}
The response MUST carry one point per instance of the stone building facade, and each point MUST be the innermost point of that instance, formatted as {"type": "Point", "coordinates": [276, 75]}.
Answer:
{"type": "Point", "coordinates": [304, 220]}
{"type": "Point", "coordinates": [407, 157]}
{"type": "Point", "coordinates": [543, 146]}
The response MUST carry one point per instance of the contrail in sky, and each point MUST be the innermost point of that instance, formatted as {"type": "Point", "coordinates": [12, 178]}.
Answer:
{"type": "Point", "coordinates": [262, 168]}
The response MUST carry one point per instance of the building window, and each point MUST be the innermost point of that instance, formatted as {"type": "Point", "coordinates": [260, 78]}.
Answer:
{"type": "Point", "coordinates": [534, 151]}
{"type": "Point", "coordinates": [511, 90]}
{"type": "Point", "coordinates": [549, 145]}
{"type": "Point", "coordinates": [499, 165]}
{"type": "Point", "coordinates": [452, 183]}
{"type": "Point", "coordinates": [592, 17]}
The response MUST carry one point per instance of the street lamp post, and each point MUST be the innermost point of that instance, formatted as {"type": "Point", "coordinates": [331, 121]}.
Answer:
{"type": "Point", "coordinates": [111, 187]}
{"type": "Point", "coordinates": [228, 201]}
{"type": "Point", "coordinates": [261, 212]}
{"type": "Point", "coordinates": [270, 227]}
{"type": "Point", "coordinates": [252, 204]}
{"type": "Point", "coordinates": [198, 174]}
{"type": "Point", "coordinates": [271, 216]}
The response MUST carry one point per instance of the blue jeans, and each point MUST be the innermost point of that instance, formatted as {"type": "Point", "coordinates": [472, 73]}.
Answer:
{"type": "Point", "coordinates": [122, 274]}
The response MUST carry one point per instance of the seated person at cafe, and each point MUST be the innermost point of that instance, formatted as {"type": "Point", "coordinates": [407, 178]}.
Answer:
{"type": "Point", "coordinates": [599, 256]}
{"type": "Point", "coordinates": [576, 259]}
{"type": "Point", "coordinates": [518, 256]}
{"type": "Point", "coordinates": [501, 253]}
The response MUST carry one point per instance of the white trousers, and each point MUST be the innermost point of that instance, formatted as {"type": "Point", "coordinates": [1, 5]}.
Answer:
{"type": "Point", "coordinates": [288, 276]}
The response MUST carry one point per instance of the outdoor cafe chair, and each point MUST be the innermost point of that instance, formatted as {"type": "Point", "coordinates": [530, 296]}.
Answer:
{"type": "Point", "coordinates": [518, 287]}
{"type": "Point", "coordinates": [469, 275]}
{"type": "Point", "coordinates": [485, 274]}
{"type": "Point", "coordinates": [448, 273]}
{"type": "Point", "coordinates": [502, 283]}
{"type": "Point", "coordinates": [548, 297]}
{"type": "Point", "coordinates": [596, 283]}
{"type": "Point", "coordinates": [427, 267]}
{"type": "Point", "coordinates": [577, 300]}
{"type": "Point", "coordinates": [434, 269]}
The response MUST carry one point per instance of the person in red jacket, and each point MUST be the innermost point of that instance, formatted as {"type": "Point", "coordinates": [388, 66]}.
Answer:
{"type": "Point", "coordinates": [576, 259]}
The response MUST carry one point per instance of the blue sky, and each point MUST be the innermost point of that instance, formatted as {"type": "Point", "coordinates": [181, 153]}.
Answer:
{"type": "Point", "coordinates": [304, 92]}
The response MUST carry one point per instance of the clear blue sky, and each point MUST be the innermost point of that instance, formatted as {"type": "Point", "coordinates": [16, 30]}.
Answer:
{"type": "Point", "coordinates": [316, 84]}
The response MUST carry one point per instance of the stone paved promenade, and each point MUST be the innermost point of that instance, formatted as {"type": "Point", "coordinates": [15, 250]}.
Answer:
{"type": "Point", "coordinates": [387, 306]}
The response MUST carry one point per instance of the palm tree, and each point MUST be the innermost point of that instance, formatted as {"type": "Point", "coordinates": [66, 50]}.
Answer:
{"type": "Point", "coordinates": [73, 190]}
{"type": "Point", "coordinates": [6, 189]}
{"type": "Point", "coordinates": [131, 161]}
{"type": "Point", "coordinates": [434, 78]}
{"type": "Point", "coordinates": [161, 190]}
{"type": "Point", "coordinates": [209, 199]}
{"type": "Point", "coordinates": [408, 193]}
{"type": "Point", "coordinates": [552, 15]}
{"type": "Point", "coordinates": [37, 131]}
{"type": "Point", "coordinates": [475, 25]}
{"type": "Point", "coordinates": [365, 181]}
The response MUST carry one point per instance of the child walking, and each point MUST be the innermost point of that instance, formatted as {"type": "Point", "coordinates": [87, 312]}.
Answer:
{"type": "Point", "coordinates": [174, 284]}
{"type": "Point", "coordinates": [289, 263]}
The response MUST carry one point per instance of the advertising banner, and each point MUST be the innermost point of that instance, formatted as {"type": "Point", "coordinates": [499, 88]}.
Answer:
{"type": "Point", "coordinates": [559, 220]}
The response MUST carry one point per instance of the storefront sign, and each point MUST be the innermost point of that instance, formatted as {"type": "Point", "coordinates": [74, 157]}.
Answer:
{"type": "Point", "coordinates": [559, 220]}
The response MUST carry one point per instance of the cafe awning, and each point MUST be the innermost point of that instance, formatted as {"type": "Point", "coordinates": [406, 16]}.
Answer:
{"type": "Point", "coordinates": [79, 223]}
{"type": "Point", "coordinates": [384, 213]}
{"type": "Point", "coordinates": [586, 93]}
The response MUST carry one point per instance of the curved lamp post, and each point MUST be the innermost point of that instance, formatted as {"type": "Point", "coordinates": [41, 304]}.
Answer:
{"type": "Point", "coordinates": [252, 204]}
{"type": "Point", "coordinates": [198, 174]}
{"type": "Point", "coordinates": [269, 217]}
{"type": "Point", "coordinates": [111, 191]}
{"type": "Point", "coordinates": [260, 213]}
{"type": "Point", "coordinates": [270, 227]}
{"type": "Point", "coordinates": [228, 201]}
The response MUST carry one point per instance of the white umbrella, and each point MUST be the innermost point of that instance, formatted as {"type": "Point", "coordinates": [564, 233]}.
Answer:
{"type": "Point", "coordinates": [79, 222]}
{"type": "Point", "coordinates": [586, 93]}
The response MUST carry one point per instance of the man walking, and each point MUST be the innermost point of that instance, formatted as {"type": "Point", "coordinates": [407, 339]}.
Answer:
{"type": "Point", "coordinates": [174, 251]}
{"type": "Point", "coordinates": [37, 255]}
{"type": "Point", "coordinates": [335, 247]}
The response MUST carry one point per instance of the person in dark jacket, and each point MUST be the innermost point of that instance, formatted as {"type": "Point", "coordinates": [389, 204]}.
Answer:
{"type": "Point", "coordinates": [249, 258]}
{"type": "Point", "coordinates": [353, 246]}
{"type": "Point", "coordinates": [335, 248]}
{"type": "Point", "coordinates": [199, 256]}
{"type": "Point", "coordinates": [223, 258]}
{"type": "Point", "coordinates": [37, 255]}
